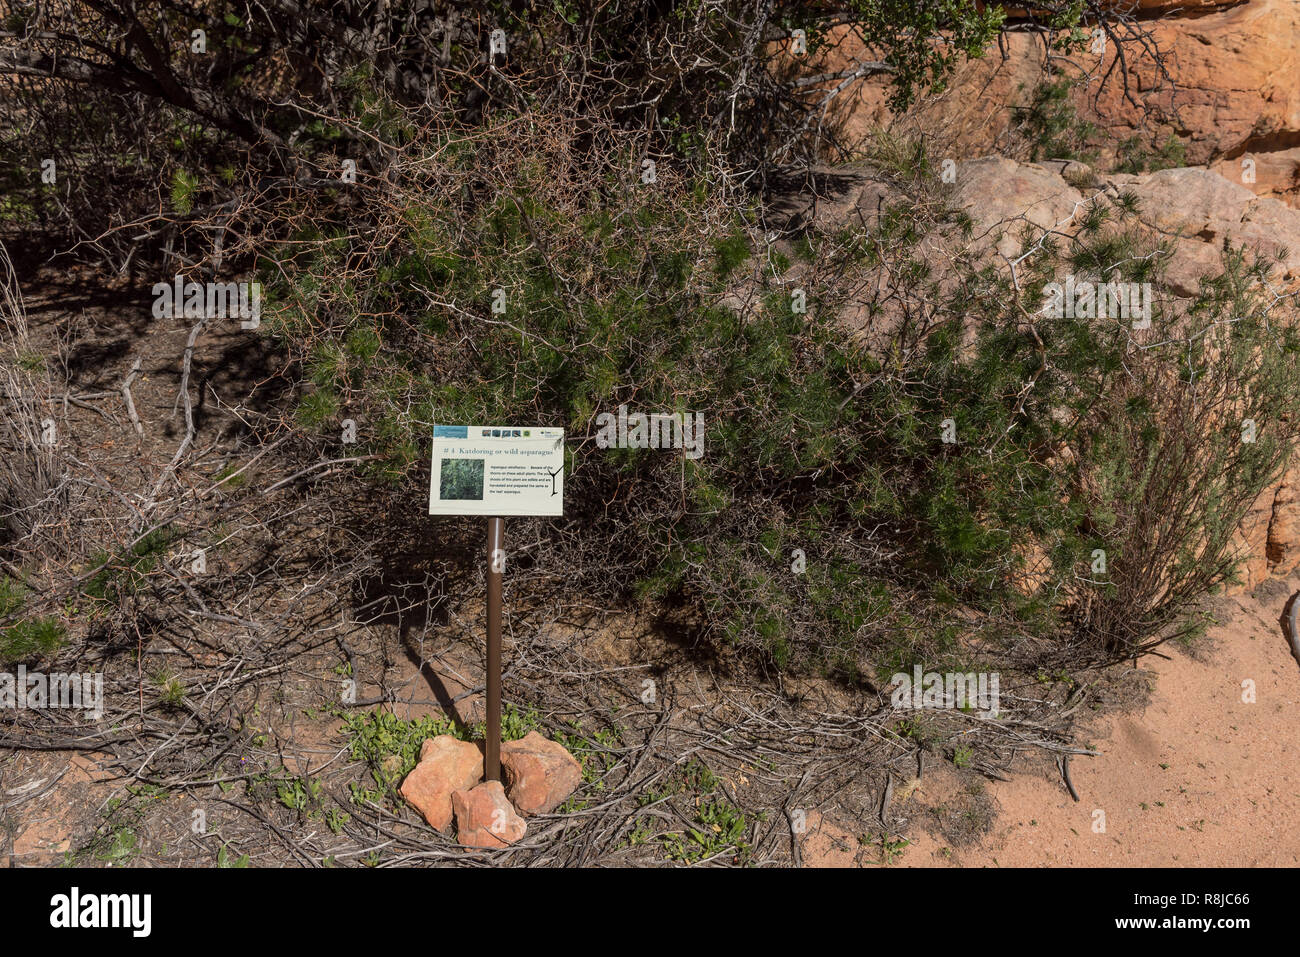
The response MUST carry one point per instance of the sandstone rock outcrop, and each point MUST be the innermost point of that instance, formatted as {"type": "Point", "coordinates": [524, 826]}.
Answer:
{"type": "Point", "coordinates": [1282, 547]}
{"type": "Point", "coordinates": [1196, 209]}
{"type": "Point", "coordinates": [1230, 92]}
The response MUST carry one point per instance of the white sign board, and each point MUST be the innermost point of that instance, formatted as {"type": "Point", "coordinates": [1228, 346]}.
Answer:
{"type": "Point", "coordinates": [488, 470]}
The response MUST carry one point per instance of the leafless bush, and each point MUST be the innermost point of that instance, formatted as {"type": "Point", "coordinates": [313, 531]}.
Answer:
{"type": "Point", "coordinates": [32, 472]}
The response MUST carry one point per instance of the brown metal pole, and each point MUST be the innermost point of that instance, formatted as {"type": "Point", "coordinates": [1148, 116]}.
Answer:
{"type": "Point", "coordinates": [496, 565]}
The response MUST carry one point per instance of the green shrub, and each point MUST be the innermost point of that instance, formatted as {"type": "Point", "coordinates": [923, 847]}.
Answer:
{"type": "Point", "coordinates": [1133, 157]}
{"type": "Point", "coordinates": [25, 638]}
{"type": "Point", "coordinates": [557, 287]}
{"type": "Point", "coordinates": [125, 573]}
{"type": "Point", "coordinates": [1052, 126]}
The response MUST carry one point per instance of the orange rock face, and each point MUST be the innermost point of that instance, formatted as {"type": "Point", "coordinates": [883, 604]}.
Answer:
{"type": "Point", "coordinates": [1283, 545]}
{"type": "Point", "coordinates": [1226, 86]}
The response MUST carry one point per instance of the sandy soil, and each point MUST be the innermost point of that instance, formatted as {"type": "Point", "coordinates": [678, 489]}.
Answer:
{"type": "Point", "coordinates": [1201, 777]}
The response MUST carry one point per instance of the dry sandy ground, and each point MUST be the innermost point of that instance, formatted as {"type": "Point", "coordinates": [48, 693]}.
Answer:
{"type": "Point", "coordinates": [1201, 777]}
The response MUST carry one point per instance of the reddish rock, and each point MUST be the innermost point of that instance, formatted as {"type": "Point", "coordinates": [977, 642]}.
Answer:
{"type": "Point", "coordinates": [446, 766]}
{"type": "Point", "coordinates": [1231, 86]}
{"type": "Point", "coordinates": [1276, 173]}
{"type": "Point", "coordinates": [539, 773]}
{"type": "Point", "coordinates": [1283, 547]}
{"type": "Point", "coordinates": [1249, 542]}
{"type": "Point", "coordinates": [484, 818]}
{"type": "Point", "coordinates": [1034, 570]}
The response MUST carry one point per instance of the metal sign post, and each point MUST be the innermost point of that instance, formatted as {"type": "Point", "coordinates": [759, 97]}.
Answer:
{"type": "Point", "coordinates": [496, 565]}
{"type": "Point", "coordinates": [494, 471]}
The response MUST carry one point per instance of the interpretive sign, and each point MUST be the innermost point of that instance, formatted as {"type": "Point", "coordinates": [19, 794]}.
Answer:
{"type": "Point", "coordinates": [494, 471]}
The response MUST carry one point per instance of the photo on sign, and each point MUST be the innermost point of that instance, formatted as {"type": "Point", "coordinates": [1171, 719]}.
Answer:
{"type": "Point", "coordinates": [461, 479]}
